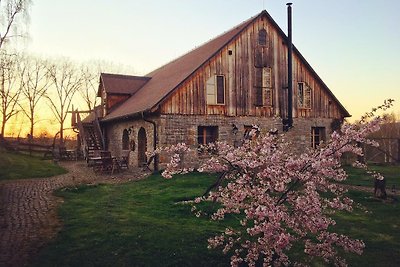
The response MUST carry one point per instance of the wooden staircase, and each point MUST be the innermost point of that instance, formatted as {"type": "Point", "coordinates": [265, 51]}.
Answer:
{"type": "Point", "coordinates": [91, 137]}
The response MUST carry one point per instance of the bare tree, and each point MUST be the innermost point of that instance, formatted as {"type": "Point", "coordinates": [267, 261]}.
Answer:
{"type": "Point", "coordinates": [35, 81]}
{"type": "Point", "coordinates": [9, 88]}
{"type": "Point", "coordinates": [90, 83]}
{"type": "Point", "coordinates": [65, 82]}
{"type": "Point", "coordinates": [11, 13]}
{"type": "Point", "coordinates": [90, 74]}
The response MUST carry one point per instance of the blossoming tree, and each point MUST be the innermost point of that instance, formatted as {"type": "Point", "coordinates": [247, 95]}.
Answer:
{"type": "Point", "coordinates": [282, 199]}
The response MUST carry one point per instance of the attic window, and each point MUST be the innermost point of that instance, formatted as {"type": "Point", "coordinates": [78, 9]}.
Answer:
{"type": "Point", "coordinates": [304, 95]}
{"type": "Point", "coordinates": [215, 89]}
{"type": "Point", "coordinates": [229, 52]}
{"type": "Point", "coordinates": [262, 37]}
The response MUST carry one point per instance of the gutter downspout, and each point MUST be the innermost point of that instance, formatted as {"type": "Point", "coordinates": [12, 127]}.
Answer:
{"type": "Point", "coordinates": [155, 139]}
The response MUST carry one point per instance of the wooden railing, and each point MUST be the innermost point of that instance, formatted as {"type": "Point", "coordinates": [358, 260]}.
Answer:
{"type": "Point", "coordinates": [97, 128]}
{"type": "Point", "coordinates": [84, 144]}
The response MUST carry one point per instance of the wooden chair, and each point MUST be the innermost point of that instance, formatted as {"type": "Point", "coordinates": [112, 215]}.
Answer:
{"type": "Point", "coordinates": [107, 164]}
{"type": "Point", "coordinates": [104, 164]}
{"type": "Point", "coordinates": [123, 161]}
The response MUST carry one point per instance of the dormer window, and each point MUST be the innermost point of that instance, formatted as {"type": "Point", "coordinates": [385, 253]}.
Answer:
{"type": "Point", "coordinates": [262, 37]}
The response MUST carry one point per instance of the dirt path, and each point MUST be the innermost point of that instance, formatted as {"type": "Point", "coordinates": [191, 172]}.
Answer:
{"type": "Point", "coordinates": [28, 210]}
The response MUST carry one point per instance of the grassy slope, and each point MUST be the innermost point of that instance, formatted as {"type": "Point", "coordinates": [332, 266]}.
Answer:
{"type": "Point", "coordinates": [138, 224]}
{"type": "Point", "coordinates": [19, 166]}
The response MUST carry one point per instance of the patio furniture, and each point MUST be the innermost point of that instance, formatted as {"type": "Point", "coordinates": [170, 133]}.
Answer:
{"type": "Point", "coordinates": [105, 163]}
{"type": "Point", "coordinates": [123, 161]}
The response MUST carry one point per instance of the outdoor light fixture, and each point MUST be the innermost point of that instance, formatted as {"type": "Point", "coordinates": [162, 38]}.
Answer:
{"type": "Point", "coordinates": [130, 130]}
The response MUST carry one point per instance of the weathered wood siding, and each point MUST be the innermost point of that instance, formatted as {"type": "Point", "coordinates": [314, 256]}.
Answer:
{"type": "Point", "coordinates": [115, 99]}
{"type": "Point", "coordinates": [237, 62]}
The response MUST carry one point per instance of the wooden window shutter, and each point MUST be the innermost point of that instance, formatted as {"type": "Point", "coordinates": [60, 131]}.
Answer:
{"type": "Point", "coordinates": [259, 96]}
{"type": "Point", "coordinates": [210, 89]}
{"type": "Point", "coordinates": [268, 97]}
{"type": "Point", "coordinates": [263, 87]}
{"type": "Point", "coordinates": [267, 86]}
{"type": "Point", "coordinates": [304, 93]}
{"type": "Point", "coordinates": [220, 89]}
{"type": "Point", "coordinates": [258, 86]}
{"type": "Point", "coordinates": [300, 94]}
{"type": "Point", "coordinates": [307, 97]}
{"type": "Point", "coordinates": [266, 81]}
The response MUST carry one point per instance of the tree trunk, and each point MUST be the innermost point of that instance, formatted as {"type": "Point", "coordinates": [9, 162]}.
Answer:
{"type": "Point", "coordinates": [3, 126]}
{"type": "Point", "coordinates": [31, 131]}
{"type": "Point", "coordinates": [61, 133]}
{"type": "Point", "coordinates": [31, 138]}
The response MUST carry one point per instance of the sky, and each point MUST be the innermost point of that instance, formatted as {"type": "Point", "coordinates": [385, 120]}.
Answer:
{"type": "Point", "coordinates": [353, 45]}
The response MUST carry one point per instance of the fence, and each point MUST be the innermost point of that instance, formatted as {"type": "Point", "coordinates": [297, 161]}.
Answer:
{"type": "Point", "coordinates": [387, 152]}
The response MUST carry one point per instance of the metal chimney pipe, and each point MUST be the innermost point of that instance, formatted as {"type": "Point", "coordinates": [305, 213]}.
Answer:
{"type": "Point", "coordinates": [289, 121]}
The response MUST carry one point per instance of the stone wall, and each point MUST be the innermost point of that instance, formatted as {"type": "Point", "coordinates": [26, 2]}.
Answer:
{"type": "Point", "coordinates": [175, 129]}
{"type": "Point", "coordinates": [114, 133]}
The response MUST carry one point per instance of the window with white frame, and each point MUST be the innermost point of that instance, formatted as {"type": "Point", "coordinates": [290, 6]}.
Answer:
{"type": "Point", "coordinates": [304, 94]}
{"type": "Point", "coordinates": [215, 88]}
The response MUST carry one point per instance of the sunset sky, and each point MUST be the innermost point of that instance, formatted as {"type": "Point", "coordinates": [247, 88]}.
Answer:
{"type": "Point", "coordinates": [353, 45]}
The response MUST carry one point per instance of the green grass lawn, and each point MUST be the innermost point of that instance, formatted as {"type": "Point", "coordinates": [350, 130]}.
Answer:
{"type": "Point", "coordinates": [379, 228]}
{"type": "Point", "coordinates": [140, 224]}
{"type": "Point", "coordinates": [20, 166]}
{"type": "Point", "coordinates": [358, 176]}
{"type": "Point", "coordinates": [134, 224]}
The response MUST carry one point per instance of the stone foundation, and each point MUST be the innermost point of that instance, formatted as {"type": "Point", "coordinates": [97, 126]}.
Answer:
{"type": "Point", "coordinates": [173, 129]}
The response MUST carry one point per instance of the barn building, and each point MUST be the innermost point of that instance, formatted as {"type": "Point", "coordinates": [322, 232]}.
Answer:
{"type": "Point", "coordinates": [215, 92]}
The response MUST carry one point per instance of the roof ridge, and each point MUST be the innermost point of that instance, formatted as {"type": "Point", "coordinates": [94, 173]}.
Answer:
{"type": "Point", "coordinates": [124, 76]}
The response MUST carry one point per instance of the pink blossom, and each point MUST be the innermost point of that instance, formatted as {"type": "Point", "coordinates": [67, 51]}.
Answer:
{"type": "Point", "coordinates": [284, 198]}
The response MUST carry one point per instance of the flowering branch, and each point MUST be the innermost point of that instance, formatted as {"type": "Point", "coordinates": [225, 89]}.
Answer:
{"type": "Point", "coordinates": [282, 198]}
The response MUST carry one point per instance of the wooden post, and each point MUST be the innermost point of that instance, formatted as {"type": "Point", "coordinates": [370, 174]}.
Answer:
{"type": "Point", "coordinates": [398, 150]}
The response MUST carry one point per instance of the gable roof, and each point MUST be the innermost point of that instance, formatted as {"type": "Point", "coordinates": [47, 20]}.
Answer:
{"type": "Point", "coordinates": [164, 80]}
{"type": "Point", "coordinates": [121, 84]}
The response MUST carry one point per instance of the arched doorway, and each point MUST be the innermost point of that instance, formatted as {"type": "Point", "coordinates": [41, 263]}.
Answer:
{"type": "Point", "coordinates": [142, 147]}
{"type": "Point", "coordinates": [125, 140]}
